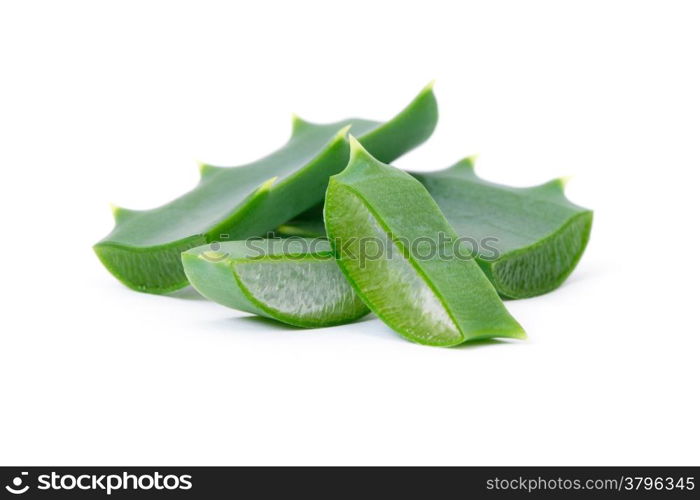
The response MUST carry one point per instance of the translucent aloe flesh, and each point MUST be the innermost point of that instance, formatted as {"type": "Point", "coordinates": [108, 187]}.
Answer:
{"type": "Point", "coordinates": [295, 281]}
{"type": "Point", "coordinates": [143, 250]}
{"type": "Point", "coordinates": [374, 214]}
{"type": "Point", "coordinates": [535, 236]}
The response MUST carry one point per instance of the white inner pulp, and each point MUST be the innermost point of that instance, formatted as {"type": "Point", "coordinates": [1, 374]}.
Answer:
{"type": "Point", "coordinates": [302, 288]}
{"type": "Point", "coordinates": [389, 281]}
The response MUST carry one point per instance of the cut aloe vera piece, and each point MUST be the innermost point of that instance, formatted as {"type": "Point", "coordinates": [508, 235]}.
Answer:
{"type": "Point", "coordinates": [402, 257]}
{"type": "Point", "coordinates": [296, 281]}
{"type": "Point", "coordinates": [528, 239]}
{"type": "Point", "coordinates": [143, 250]}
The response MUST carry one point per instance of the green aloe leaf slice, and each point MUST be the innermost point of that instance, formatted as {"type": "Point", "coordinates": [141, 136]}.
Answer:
{"type": "Point", "coordinates": [143, 250]}
{"type": "Point", "coordinates": [528, 240]}
{"type": "Point", "coordinates": [296, 281]}
{"type": "Point", "coordinates": [398, 251]}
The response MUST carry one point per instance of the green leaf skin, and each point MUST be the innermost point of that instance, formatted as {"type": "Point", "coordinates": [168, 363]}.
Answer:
{"type": "Point", "coordinates": [537, 233]}
{"type": "Point", "coordinates": [143, 250]}
{"type": "Point", "coordinates": [440, 300]}
{"type": "Point", "coordinates": [295, 281]}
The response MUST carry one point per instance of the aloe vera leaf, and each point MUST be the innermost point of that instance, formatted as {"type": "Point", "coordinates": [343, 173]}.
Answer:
{"type": "Point", "coordinates": [535, 235]}
{"type": "Point", "coordinates": [378, 219]}
{"type": "Point", "coordinates": [143, 250]}
{"type": "Point", "coordinates": [295, 281]}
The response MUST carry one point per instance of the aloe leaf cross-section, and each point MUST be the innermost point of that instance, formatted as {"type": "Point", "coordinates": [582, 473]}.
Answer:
{"type": "Point", "coordinates": [296, 281]}
{"type": "Point", "coordinates": [404, 260]}
{"type": "Point", "coordinates": [527, 240]}
{"type": "Point", "coordinates": [143, 250]}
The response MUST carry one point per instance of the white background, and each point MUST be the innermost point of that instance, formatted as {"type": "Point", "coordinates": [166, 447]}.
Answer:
{"type": "Point", "coordinates": [116, 101]}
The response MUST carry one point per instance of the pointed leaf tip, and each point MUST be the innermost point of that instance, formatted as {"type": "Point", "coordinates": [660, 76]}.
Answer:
{"type": "Point", "coordinates": [343, 132]}
{"type": "Point", "coordinates": [465, 165]}
{"type": "Point", "coordinates": [357, 150]}
{"type": "Point", "coordinates": [563, 181]}
{"type": "Point", "coordinates": [267, 185]}
{"type": "Point", "coordinates": [205, 169]}
{"type": "Point", "coordinates": [121, 214]}
{"type": "Point", "coordinates": [559, 183]}
{"type": "Point", "coordinates": [555, 187]}
{"type": "Point", "coordinates": [298, 123]}
{"type": "Point", "coordinates": [354, 143]}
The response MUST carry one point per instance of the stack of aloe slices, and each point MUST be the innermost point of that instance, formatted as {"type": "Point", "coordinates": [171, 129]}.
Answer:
{"type": "Point", "coordinates": [431, 254]}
